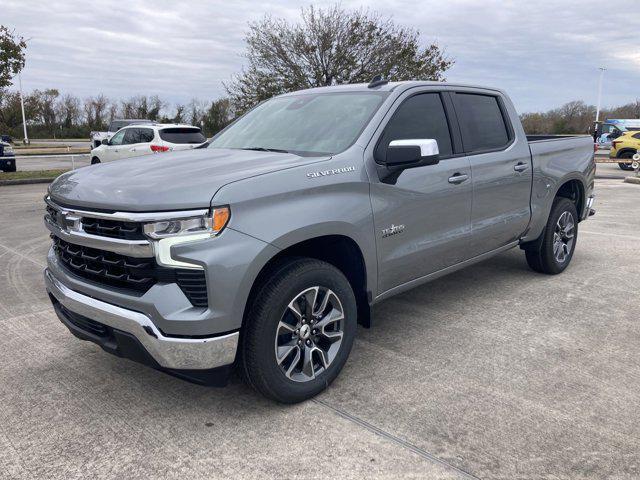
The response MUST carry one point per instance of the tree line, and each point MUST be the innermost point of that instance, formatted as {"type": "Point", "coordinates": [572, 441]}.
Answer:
{"type": "Point", "coordinates": [574, 117]}
{"type": "Point", "coordinates": [52, 115]}
{"type": "Point", "coordinates": [326, 46]}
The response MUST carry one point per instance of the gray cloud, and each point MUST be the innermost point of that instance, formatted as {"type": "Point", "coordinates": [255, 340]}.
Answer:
{"type": "Point", "coordinates": [544, 53]}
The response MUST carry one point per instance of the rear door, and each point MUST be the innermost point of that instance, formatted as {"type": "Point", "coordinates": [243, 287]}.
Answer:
{"type": "Point", "coordinates": [182, 138]}
{"type": "Point", "coordinates": [138, 142]}
{"type": "Point", "coordinates": [422, 217]}
{"type": "Point", "coordinates": [501, 168]}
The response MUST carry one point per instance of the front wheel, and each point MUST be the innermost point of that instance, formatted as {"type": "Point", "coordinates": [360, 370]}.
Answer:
{"type": "Point", "coordinates": [95, 160]}
{"type": "Point", "coordinates": [299, 331]}
{"type": "Point", "coordinates": [552, 253]}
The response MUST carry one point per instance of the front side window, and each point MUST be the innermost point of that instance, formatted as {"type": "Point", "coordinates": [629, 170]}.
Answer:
{"type": "Point", "coordinates": [118, 138]}
{"type": "Point", "coordinates": [307, 125]}
{"type": "Point", "coordinates": [420, 117]}
{"type": "Point", "coordinates": [637, 136]}
{"type": "Point", "coordinates": [481, 121]}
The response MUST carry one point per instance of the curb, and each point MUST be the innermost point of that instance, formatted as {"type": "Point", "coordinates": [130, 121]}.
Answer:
{"type": "Point", "coordinates": [635, 180]}
{"type": "Point", "coordinates": [610, 177]}
{"type": "Point", "coordinates": [25, 181]}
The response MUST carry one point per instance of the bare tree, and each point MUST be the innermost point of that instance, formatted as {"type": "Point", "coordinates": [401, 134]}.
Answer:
{"type": "Point", "coordinates": [95, 109]}
{"type": "Point", "coordinates": [113, 111]}
{"type": "Point", "coordinates": [196, 112]}
{"type": "Point", "coordinates": [44, 104]}
{"type": "Point", "coordinates": [69, 111]}
{"type": "Point", "coordinates": [330, 46]}
{"type": "Point", "coordinates": [180, 115]}
{"type": "Point", "coordinates": [155, 107]}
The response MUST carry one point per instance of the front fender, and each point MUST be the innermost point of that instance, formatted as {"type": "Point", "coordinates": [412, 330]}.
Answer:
{"type": "Point", "coordinates": [288, 207]}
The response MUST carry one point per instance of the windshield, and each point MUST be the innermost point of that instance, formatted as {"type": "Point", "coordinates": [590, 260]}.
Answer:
{"type": "Point", "coordinates": [306, 125]}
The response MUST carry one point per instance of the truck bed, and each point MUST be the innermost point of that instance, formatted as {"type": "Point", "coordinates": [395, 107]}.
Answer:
{"type": "Point", "coordinates": [542, 138]}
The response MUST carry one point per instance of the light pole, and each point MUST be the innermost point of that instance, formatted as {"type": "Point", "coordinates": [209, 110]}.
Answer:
{"type": "Point", "coordinates": [24, 119]}
{"type": "Point", "coordinates": [602, 69]}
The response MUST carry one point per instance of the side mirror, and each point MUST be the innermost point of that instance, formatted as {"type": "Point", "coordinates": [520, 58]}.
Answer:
{"type": "Point", "coordinates": [404, 154]}
{"type": "Point", "coordinates": [105, 141]}
{"type": "Point", "coordinates": [412, 153]}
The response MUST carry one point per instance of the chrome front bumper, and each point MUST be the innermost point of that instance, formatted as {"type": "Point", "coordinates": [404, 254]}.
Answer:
{"type": "Point", "coordinates": [170, 352]}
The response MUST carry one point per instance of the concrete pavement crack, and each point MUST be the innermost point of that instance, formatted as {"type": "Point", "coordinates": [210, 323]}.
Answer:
{"type": "Point", "coordinates": [397, 440]}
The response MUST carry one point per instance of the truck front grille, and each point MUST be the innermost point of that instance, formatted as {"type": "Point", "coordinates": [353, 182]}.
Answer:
{"type": "Point", "coordinates": [130, 273]}
{"type": "Point", "coordinates": [113, 228]}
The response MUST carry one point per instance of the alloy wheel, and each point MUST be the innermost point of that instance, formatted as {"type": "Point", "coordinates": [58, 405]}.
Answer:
{"type": "Point", "coordinates": [563, 237]}
{"type": "Point", "coordinates": [309, 334]}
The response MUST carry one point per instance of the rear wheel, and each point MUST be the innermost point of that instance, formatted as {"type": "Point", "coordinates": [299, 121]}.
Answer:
{"type": "Point", "coordinates": [552, 253]}
{"type": "Point", "coordinates": [299, 331]}
{"type": "Point", "coordinates": [11, 168]}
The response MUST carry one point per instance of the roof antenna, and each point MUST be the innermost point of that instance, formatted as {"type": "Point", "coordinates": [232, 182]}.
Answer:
{"type": "Point", "coordinates": [377, 81]}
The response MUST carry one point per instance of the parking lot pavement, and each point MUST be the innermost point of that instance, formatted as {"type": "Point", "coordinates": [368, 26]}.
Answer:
{"type": "Point", "coordinates": [611, 170]}
{"type": "Point", "coordinates": [491, 372]}
{"type": "Point", "coordinates": [52, 162]}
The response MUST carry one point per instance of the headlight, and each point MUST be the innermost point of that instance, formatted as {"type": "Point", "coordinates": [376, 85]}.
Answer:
{"type": "Point", "coordinates": [212, 223]}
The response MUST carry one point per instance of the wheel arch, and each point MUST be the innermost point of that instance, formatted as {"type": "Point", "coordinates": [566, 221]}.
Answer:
{"type": "Point", "coordinates": [341, 251]}
{"type": "Point", "coordinates": [574, 190]}
{"type": "Point", "coordinates": [625, 151]}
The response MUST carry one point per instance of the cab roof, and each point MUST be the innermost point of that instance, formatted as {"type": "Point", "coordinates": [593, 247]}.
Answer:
{"type": "Point", "coordinates": [386, 87]}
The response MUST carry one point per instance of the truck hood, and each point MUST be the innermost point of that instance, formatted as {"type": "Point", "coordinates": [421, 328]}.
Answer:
{"type": "Point", "coordinates": [166, 181]}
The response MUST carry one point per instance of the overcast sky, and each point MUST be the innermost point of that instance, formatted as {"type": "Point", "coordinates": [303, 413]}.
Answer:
{"type": "Point", "coordinates": [544, 53]}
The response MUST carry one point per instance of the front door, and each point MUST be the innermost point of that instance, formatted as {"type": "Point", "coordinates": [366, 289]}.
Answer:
{"type": "Point", "coordinates": [422, 218]}
{"type": "Point", "coordinates": [115, 145]}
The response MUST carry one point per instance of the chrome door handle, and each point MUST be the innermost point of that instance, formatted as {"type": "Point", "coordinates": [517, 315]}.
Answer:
{"type": "Point", "coordinates": [520, 167]}
{"type": "Point", "coordinates": [458, 178]}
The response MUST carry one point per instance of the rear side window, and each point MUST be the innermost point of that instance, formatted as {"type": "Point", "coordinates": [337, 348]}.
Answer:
{"type": "Point", "coordinates": [419, 117]}
{"type": "Point", "coordinates": [138, 135]}
{"type": "Point", "coordinates": [637, 135]}
{"type": "Point", "coordinates": [182, 135]}
{"type": "Point", "coordinates": [481, 121]}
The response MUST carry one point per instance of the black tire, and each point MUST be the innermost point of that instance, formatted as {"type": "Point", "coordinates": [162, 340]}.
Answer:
{"type": "Point", "coordinates": [541, 256]}
{"type": "Point", "coordinates": [95, 160]}
{"type": "Point", "coordinates": [261, 332]}
{"type": "Point", "coordinates": [11, 168]}
{"type": "Point", "coordinates": [626, 166]}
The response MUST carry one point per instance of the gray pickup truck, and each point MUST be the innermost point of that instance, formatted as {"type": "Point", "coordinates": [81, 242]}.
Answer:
{"type": "Point", "coordinates": [264, 249]}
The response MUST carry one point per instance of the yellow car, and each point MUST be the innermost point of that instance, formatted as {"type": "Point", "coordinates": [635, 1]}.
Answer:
{"type": "Point", "coordinates": [625, 146]}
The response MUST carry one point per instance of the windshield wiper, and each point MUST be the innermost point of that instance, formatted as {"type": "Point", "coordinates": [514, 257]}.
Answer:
{"type": "Point", "coordinates": [262, 149]}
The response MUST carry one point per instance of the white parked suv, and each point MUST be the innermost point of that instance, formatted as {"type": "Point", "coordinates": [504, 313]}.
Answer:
{"type": "Point", "coordinates": [138, 140]}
